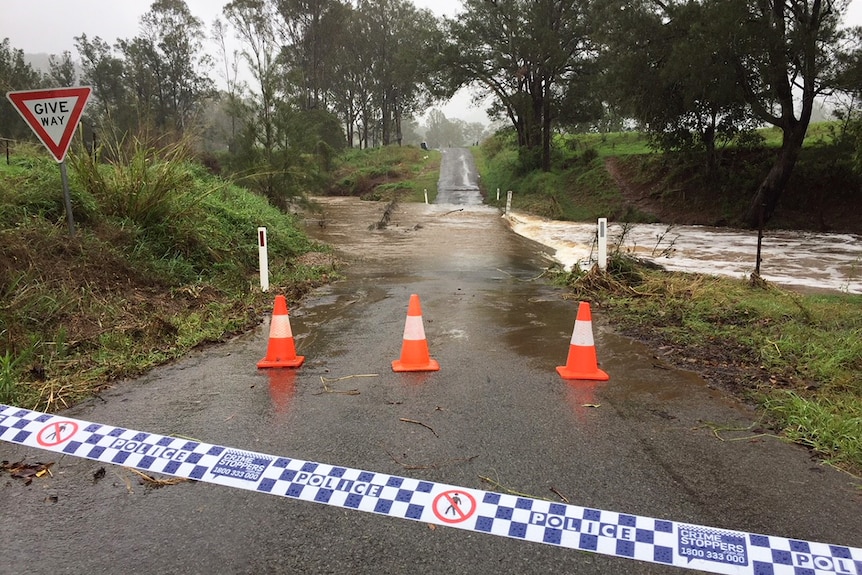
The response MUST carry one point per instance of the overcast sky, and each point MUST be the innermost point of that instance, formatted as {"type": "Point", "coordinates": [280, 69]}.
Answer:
{"type": "Point", "coordinates": [49, 26]}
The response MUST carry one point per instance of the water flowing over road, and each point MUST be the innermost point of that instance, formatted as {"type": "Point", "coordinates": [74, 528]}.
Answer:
{"type": "Point", "coordinates": [796, 259]}
{"type": "Point", "coordinates": [459, 180]}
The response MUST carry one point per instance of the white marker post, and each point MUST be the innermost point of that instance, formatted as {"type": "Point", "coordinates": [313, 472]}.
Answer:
{"type": "Point", "coordinates": [508, 202]}
{"type": "Point", "coordinates": [498, 194]}
{"type": "Point", "coordinates": [263, 259]}
{"type": "Point", "coordinates": [426, 195]}
{"type": "Point", "coordinates": [603, 243]}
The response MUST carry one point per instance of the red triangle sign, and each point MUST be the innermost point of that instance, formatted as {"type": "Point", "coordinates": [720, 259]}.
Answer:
{"type": "Point", "coordinates": [52, 114]}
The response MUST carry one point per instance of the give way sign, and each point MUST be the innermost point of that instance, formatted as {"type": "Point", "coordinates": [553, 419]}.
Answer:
{"type": "Point", "coordinates": [52, 114]}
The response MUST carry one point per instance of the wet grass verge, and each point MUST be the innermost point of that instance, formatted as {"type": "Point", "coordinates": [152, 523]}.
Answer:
{"type": "Point", "coordinates": [407, 173]}
{"type": "Point", "coordinates": [164, 259]}
{"type": "Point", "coordinates": [798, 357]}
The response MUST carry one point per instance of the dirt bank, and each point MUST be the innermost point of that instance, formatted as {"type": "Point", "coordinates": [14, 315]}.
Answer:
{"type": "Point", "coordinates": [819, 204]}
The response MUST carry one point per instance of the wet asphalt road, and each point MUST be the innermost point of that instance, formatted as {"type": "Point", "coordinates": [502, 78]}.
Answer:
{"type": "Point", "coordinates": [652, 441]}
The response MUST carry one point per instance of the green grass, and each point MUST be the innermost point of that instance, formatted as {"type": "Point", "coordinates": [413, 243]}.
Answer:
{"type": "Point", "coordinates": [384, 173]}
{"type": "Point", "coordinates": [831, 426]}
{"type": "Point", "coordinates": [798, 357]}
{"type": "Point", "coordinates": [609, 144]}
{"type": "Point", "coordinates": [164, 259]}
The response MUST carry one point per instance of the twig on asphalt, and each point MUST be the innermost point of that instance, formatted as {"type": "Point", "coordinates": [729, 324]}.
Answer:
{"type": "Point", "coordinates": [156, 483]}
{"type": "Point", "coordinates": [332, 379]}
{"type": "Point", "coordinates": [501, 487]}
{"type": "Point", "coordinates": [560, 495]}
{"type": "Point", "coordinates": [419, 423]}
{"type": "Point", "coordinates": [327, 389]}
{"type": "Point", "coordinates": [519, 279]}
{"type": "Point", "coordinates": [718, 428]}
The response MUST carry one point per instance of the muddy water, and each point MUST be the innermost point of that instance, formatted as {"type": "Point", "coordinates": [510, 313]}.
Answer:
{"type": "Point", "coordinates": [460, 257]}
{"type": "Point", "coordinates": [797, 259]}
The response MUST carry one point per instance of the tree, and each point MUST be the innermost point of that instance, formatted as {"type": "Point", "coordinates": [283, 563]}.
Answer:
{"type": "Point", "coordinates": [665, 67]}
{"type": "Point", "coordinates": [528, 55]}
{"type": "Point", "coordinates": [312, 34]}
{"type": "Point", "coordinates": [404, 41]}
{"type": "Point", "coordinates": [442, 132]}
{"type": "Point", "coordinates": [351, 95]}
{"type": "Point", "coordinates": [170, 55]}
{"type": "Point", "coordinates": [783, 54]}
{"type": "Point", "coordinates": [104, 73]}
{"type": "Point", "coordinates": [233, 107]}
{"type": "Point", "coordinates": [253, 21]}
{"type": "Point", "coordinates": [15, 74]}
{"type": "Point", "coordinates": [62, 70]}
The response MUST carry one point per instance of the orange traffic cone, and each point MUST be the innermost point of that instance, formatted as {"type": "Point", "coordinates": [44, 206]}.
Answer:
{"type": "Point", "coordinates": [281, 351]}
{"type": "Point", "coordinates": [581, 363]}
{"type": "Point", "coordinates": [414, 350]}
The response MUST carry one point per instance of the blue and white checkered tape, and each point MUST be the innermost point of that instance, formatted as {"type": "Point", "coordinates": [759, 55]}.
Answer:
{"type": "Point", "coordinates": [606, 532]}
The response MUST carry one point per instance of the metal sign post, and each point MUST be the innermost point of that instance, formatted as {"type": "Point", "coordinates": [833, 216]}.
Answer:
{"type": "Point", "coordinates": [67, 198]}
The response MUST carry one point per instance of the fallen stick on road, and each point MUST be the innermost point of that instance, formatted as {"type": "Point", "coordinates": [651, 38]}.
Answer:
{"type": "Point", "coordinates": [326, 388]}
{"type": "Point", "coordinates": [418, 423]}
{"type": "Point", "coordinates": [500, 487]}
{"type": "Point", "coordinates": [156, 483]}
{"type": "Point", "coordinates": [562, 497]}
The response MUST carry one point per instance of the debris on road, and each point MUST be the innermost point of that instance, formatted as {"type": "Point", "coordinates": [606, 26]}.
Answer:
{"type": "Point", "coordinates": [27, 471]}
{"type": "Point", "coordinates": [405, 420]}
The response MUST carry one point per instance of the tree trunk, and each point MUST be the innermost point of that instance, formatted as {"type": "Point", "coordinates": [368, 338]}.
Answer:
{"type": "Point", "coordinates": [769, 192]}
{"type": "Point", "coordinates": [546, 128]}
{"type": "Point", "coordinates": [711, 153]}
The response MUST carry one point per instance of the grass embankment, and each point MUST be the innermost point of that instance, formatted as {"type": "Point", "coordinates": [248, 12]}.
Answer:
{"type": "Point", "coordinates": [578, 188]}
{"type": "Point", "coordinates": [798, 357]}
{"type": "Point", "coordinates": [164, 259]}
{"type": "Point", "coordinates": [646, 186]}
{"type": "Point", "coordinates": [389, 173]}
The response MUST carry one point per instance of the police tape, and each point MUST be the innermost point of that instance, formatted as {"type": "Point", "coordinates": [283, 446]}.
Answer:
{"type": "Point", "coordinates": [606, 532]}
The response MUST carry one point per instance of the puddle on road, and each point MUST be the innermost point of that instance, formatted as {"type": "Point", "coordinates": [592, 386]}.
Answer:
{"type": "Point", "coordinates": [282, 388]}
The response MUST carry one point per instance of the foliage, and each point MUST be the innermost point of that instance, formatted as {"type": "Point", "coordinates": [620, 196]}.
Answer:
{"type": "Point", "coordinates": [165, 259]}
{"type": "Point", "coordinates": [15, 74]}
{"type": "Point", "coordinates": [158, 79]}
{"type": "Point", "coordinates": [141, 183]}
{"type": "Point", "coordinates": [534, 58]}
{"type": "Point", "coordinates": [798, 356]}
{"type": "Point", "coordinates": [582, 187]}
{"type": "Point", "coordinates": [690, 100]}
{"type": "Point", "coordinates": [831, 426]}
{"type": "Point", "coordinates": [62, 70]}
{"type": "Point", "coordinates": [381, 173]}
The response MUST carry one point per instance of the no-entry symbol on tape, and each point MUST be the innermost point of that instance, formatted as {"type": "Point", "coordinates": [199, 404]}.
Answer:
{"type": "Point", "coordinates": [56, 433]}
{"type": "Point", "coordinates": [454, 506]}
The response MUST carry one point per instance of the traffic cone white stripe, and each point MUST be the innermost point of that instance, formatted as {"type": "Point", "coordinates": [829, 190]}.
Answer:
{"type": "Point", "coordinates": [279, 326]}
{"type": "Point", "coordinates": [583, 334]}
{"type": "Point", "coordinates": [413, 328]}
